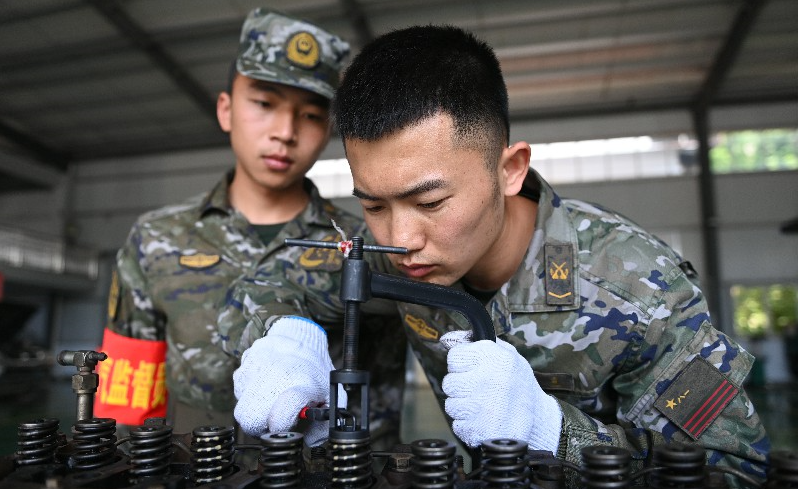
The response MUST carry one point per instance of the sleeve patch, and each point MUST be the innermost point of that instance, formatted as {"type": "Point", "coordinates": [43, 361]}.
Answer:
{"type": "Point", "coordinates": [697, 397]}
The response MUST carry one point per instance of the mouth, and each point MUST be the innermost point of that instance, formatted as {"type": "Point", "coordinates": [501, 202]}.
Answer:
{"type": "Point", "coordinates": [416, 271]}
{"type": "Point", "coordinates": [277, 162]}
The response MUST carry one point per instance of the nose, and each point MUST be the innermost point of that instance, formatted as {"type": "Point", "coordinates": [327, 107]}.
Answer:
{"type": "Point", "coordinates": [407, 231]}
{"type": "Point", "coordinates": [283, 126]}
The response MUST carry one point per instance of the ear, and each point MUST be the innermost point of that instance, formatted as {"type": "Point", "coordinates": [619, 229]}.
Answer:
{"type": "Point", "coordinates": [515, 166]}
{"type": "Point", "coordinates": [223, 111]}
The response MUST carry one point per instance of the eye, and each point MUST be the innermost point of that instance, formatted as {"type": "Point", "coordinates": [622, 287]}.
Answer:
{"type": "Point", "coordinates": [373, 209]}
{"type": "Point", "coordinates": [315, 117]}
{"type": "Point", "coordinates": [431, 205]}
{"type": "Point", "coordinates": [263, 103]}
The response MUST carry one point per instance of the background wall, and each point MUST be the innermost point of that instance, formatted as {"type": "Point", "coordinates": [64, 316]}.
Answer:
{"type": "Point", "coordinates": [98, 201]}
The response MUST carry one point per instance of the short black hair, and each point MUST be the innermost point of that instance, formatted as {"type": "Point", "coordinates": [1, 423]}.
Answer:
{"type": "Point", "coordinates": [412, 74]}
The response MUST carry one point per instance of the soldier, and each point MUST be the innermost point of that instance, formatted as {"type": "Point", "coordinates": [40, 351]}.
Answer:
{"type": "Point", "coordinates": [603, 332]}
{"type": "Point", "coordinates": [174, 271]}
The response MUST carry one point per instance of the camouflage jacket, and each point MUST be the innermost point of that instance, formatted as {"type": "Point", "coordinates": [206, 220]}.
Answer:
{"type": "Point", "coordinates": [175, 274]}
{"type": "Point", "coordinates": [619, 333]}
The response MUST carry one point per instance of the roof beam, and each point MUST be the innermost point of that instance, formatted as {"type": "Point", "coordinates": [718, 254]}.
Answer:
{"type": "Point", "coordinates": [632, 108]}
{"type": "Point", "coordinates": [35, 173]}
{"type": "Point", "coordinates": [743, 22]}
{"type": "Point", "coordinates": [741, 27]}
{"type": "Point", "coordinates": [38, 149]}
{"type": "Point", "coordinates": [357, 17]}
{"type": "Point", "coordinates": [115, 14]}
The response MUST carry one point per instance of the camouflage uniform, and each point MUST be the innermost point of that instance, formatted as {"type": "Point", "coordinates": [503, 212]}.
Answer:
{"type": "Point", "coordinates": [175, 272]}
{"type": "Point", "coordinates": [609, 350]}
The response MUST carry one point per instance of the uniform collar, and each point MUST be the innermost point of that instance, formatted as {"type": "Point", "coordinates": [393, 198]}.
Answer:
{"type": "Point", "coordinates": [526, 290]}
{"type": "Point", "coordinates": [218, 199]}
{"type": "Point", "coordinates": [318, 212]}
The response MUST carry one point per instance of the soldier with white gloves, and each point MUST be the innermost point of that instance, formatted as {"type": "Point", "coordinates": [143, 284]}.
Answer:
{"type": "Point", "coordinates": [604, 335]}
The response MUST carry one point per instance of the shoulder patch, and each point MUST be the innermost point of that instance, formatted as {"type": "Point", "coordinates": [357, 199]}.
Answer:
{"type": "Point", "coordinates": [696, 397]}
{"type": "Point", "coordinates": [559, 279]}
{"type": "Point", "coordinates": [199, 261]}
{"type": "Point", "coordinates": [422, 329]}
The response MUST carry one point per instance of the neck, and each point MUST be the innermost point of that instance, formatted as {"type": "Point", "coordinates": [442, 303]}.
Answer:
{"type": "Point", "coordinates": [503, 258]}
{"type": "Point", "coordinates": [267, 206]}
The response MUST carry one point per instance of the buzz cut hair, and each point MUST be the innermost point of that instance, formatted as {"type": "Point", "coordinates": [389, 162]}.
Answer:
{"type": "Point", "coordinates": [412, 74]}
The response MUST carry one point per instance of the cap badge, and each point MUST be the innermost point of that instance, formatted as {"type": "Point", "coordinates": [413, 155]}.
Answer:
{"type": "Point", "coordinates": [302, 50]}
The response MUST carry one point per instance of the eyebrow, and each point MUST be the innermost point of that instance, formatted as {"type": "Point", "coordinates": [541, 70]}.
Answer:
{"type": "Point", "coordinates": [420, 188]}
{"type": "Point", "coordinates": [264, 86]}
{"type": "Point", "coordinates": [308, 96]}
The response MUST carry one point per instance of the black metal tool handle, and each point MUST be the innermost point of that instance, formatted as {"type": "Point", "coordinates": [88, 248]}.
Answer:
{"type": "Point", "coordinates": [405, 290]}
{"type": "Point", "coordinates": [359, 284]}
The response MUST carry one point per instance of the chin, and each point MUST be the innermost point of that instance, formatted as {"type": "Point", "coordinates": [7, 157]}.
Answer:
{"type": "Point", "coordinates": [444, 281]}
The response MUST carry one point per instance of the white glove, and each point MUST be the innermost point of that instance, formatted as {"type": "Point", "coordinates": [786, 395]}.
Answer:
{"type": "Point", "coordinates": [492, 393]}
{"type": "Point", "coordinates": [281, 373]}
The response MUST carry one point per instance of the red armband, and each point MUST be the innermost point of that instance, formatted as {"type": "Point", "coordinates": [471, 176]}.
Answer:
{"type": "Point", "coordinates": [132, 379]}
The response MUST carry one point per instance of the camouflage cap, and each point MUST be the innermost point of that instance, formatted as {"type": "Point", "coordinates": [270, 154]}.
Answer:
{"type": "Point", "coordinates": [277, 48]}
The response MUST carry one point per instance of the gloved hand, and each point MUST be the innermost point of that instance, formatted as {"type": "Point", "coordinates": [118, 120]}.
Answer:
{"type": "Point", "coordinates": [492, 393]}
{"type": "Point", "coordinates": [281, 373]}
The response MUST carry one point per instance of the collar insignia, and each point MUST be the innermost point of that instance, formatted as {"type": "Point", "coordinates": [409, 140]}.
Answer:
{"type": "Point", "coordinates": [559, 275]}
{"type": "Point", "coordinates": [199, 261]}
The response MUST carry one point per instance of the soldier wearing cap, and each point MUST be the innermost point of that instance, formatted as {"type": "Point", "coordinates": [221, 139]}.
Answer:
{"type": "Point", "coordinates": [174, 272]}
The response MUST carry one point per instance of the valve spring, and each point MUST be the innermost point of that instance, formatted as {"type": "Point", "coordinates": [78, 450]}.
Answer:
{"type": "Point", "coordinates": [783, 471]}
{"type": "Point", "coordinates": [37, 441]}
{"type": "Point", "coordinates": [212, 449]}
{"type": "Point", "coordinates": [605, 467]}
{"type": "Point", "coordinates": [281, 460]}
{"type": "Point", "coordinates": [150, 450]}
{"type": "Point", "coordinates": [681, 465]}
{"type": "Point", "coordinates": [350, 463]}
{"type": "Point", "coordinates": [95, 443]}
{"type": "Point", "coordinates": [506, 465]}
{"type": "Point", "coordinates": [433, 464]}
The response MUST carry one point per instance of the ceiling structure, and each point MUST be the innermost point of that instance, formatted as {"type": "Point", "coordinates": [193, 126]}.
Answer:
{"type": "Point", "coordinates": [95, 79]}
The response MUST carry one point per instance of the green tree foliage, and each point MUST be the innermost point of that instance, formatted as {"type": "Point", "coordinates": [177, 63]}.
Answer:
{"type": "Point", "coordinates": [762, 310]}
{"type": "Point", "coordinates": [746, 151]}
{"type": "Point", "coordinates": [750, 316]}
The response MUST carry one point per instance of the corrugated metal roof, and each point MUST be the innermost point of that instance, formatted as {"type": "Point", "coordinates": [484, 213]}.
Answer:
{"type": "Point", "coordinates": [87, 79]}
